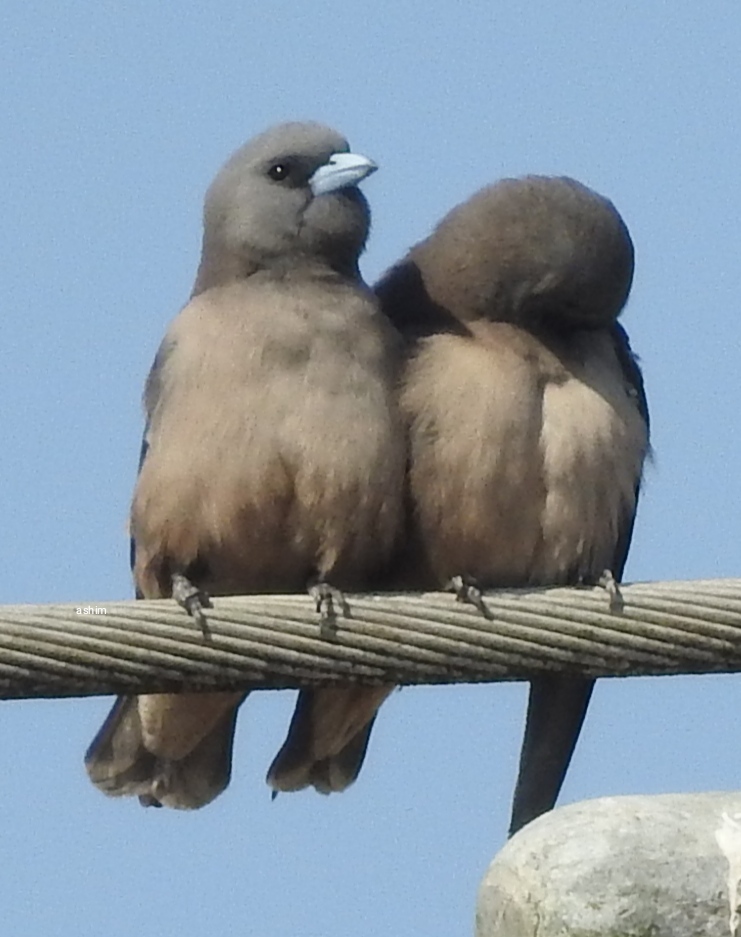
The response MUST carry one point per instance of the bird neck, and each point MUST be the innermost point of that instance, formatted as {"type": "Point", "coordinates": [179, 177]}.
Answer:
{"type": "Point", "coordinates": [223, 269]}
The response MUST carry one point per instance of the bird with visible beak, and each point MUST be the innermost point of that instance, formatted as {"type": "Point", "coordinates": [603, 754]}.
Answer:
{"type": "Point", "coordinates": [273, 458]}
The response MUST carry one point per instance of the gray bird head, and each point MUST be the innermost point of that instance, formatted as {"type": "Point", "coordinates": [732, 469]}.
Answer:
{"type": "Point", "coordinates": [533, 251]}
{"type": "Point", "coordinates": [287, 196]}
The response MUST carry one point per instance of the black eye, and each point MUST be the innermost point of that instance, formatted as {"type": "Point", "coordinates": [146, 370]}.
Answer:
{"type": "Point", "coordinates": [278, 172]}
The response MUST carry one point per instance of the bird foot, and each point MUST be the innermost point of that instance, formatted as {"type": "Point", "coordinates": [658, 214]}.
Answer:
{"type": "Point", "coordinates": [466, 590]}
{"type": "Point", "coordinates": [608, 582]}
{"type": "Point", "coordinates": [327, 598]}
{"type": "Point", "coordinates": [192, 599]}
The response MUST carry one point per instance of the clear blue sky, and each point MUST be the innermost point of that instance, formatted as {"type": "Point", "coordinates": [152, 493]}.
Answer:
{"type": "Point", "coordinates": [114, 117]}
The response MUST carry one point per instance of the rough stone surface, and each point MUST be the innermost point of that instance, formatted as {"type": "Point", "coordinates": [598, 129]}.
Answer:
{"type": "Point", "coordinates": [663, 866]}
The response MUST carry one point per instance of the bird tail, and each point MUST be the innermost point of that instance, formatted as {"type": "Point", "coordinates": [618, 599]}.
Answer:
{"type": "Point", "coordinates": [556, 711]}
{"type": "Point", "coordinates": [120, 764]}
{"type": "Point", "coordinates": [327, 739]}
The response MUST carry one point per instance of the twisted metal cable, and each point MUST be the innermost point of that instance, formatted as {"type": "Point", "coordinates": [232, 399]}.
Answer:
{"type": "Point", "coordinates": [275, 641]}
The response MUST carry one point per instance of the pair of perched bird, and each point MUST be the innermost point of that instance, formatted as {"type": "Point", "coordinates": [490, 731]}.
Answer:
{"type": "Point", "coordinates": [477, 418]}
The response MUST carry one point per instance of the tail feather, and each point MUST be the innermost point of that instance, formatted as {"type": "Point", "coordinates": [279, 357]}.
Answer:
{"type": "Point", "coordinates": [340, 771]}
{"type": "Point", "coordinates": [327, 739]}
{"type": "Point", "coordinates": [116, 761]}
{"type": "Point", "coordinates": [556, 711]}
{"type": "Point", "coordinates": [119, 763]}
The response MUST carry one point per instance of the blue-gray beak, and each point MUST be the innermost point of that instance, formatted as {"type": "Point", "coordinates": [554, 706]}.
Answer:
{"type": "Point", "coordinates": [340, 171]}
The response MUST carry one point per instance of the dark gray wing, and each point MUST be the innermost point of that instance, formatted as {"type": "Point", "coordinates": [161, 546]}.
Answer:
{"type": "Point", "coordinates": [152, 392]}
{"type": "Point", "coordinates": [634, 377]}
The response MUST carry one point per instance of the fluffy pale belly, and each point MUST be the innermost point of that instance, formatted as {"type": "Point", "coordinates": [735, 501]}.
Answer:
{"type": "Point", "coordinates": [524, 465]}
{"type": "Point", "coordinates": [264, 506]}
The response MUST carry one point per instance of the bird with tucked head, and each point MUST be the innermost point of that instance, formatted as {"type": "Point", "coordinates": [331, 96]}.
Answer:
{"type": "Point", "coordinates": [526, 418]}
